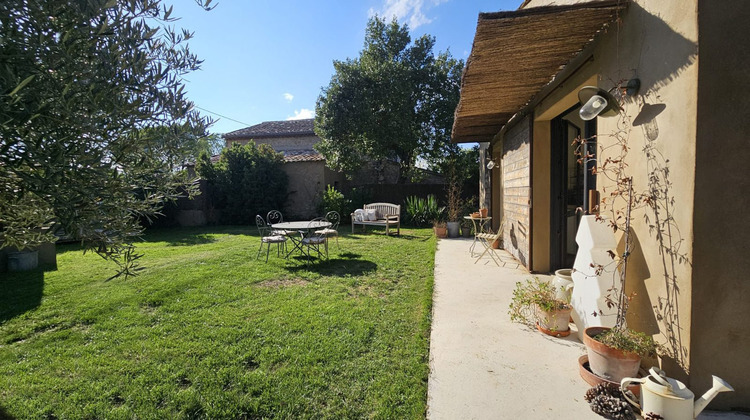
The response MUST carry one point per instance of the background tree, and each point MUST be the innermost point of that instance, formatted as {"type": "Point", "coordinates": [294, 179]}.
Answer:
{"type": "Point", "coordinates": [462, 163]}
{"type": "Point", "coordinates": [396, 101]}
{"type": "Point", "coordinates": [83, 86]}
{"type": "Point", "coordinates": [247, 180]}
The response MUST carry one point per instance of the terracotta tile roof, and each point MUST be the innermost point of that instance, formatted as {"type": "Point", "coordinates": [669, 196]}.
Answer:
{"type": "Point", "coordinates": [290, 128]}
{"type": "Point", "coordinates": [302, 156]}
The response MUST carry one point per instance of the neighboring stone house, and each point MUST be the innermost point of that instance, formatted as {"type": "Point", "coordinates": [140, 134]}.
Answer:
{"type": "Point", "coordinates": [306, 168]}
{"type": "Point", "coordinates": [687, 131]}
{"type": "Point", "coordinates": [308, 173]}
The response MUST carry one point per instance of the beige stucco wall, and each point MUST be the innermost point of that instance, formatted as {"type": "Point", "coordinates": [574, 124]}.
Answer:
{"type": "Point", "coordinates": [656, 42]}
{"type": "Point", "coordinates": [686, 263]}
{"type": "Point", "coordinates": [664, 56]}
{"type": "Point", "coordinates": [306, 187]}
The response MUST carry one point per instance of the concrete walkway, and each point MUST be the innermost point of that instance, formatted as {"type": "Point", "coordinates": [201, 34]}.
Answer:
{"type": "Point", "coordinates": [482, 366]}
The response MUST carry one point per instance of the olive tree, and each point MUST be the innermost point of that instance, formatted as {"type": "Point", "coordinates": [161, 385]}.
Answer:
{"type": "Point", "coordinates": [93, 120]}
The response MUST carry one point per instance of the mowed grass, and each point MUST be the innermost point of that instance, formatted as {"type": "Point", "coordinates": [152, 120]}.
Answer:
{"type": "Point", "coordinates": [208, 331]}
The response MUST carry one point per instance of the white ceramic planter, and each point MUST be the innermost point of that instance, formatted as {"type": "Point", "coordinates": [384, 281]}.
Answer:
{"type": "Point", "coordinates": [563, 284]}
{"type": "Point", "coordinates": [557, 321]}
{"type": "Point", "coordinates": [588, 299]}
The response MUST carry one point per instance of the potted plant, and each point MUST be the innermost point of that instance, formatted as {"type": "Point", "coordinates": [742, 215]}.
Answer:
{"type": "Point", "coordinates": [534, 303]}
{"type": "Point", "coordinates": [455, 203]}
{"type": "Point", "coordinates": [439, 225]}
{"type": "Point", "coordinates": [466, 228]}
{"type": "Point", "coordinates": [616, 352]}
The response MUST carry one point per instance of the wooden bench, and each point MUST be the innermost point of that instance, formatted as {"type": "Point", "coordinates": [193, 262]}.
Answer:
{"type": "Point", "coordinates": [387, 215]}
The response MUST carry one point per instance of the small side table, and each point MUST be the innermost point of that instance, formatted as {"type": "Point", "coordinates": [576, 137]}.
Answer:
{"type": "Point", "coordinates": [481, 225]}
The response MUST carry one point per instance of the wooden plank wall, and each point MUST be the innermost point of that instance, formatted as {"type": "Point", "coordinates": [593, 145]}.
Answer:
{"type": "Point", "coordinates": [517, 189]}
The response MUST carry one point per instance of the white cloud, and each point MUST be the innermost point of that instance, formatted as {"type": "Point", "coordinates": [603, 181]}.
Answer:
{"type": "Point", "coordinates": [288, 97]}
{"type": "Point", "coordinates": [302, 114]}
{"type": "Point", "coordinates": [410, 11]}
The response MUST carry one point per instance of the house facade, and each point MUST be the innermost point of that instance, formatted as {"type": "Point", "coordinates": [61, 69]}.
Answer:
{"type": "Point", "coordinates": [309, 175]}
{"type": "Point", "coordinates": [681, 136]}
{"type": "Point", "coordinates": [306, 168]}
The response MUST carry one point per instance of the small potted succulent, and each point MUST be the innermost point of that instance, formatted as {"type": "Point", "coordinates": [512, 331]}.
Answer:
{"type": "Point", "coordinates": [534, 303]}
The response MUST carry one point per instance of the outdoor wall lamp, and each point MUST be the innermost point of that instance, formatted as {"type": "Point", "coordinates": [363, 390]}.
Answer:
{"type": "Point", "coordinates": [597, 101]}
{"type": "Point", "coordinates": [491, 164]}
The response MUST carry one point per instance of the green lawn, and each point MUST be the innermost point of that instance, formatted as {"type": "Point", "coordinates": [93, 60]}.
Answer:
{"type": "Point", "coordinates": [208, 331]}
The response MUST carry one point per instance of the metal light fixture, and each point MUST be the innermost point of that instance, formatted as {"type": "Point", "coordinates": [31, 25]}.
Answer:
{"type": "Point", "coordinates": [596, 101]}
{"type": "Point", "coordinates": [490, 164]}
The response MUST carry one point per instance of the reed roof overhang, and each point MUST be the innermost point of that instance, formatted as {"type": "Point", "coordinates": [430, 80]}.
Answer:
{"type": "Point", "coordinates": [516, 54]}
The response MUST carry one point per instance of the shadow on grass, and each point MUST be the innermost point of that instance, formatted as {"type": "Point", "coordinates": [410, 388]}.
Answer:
{"type": "Point", "coordinates": [360, 236]}
{"type": "Point", "coordinates": [20, 292]}
{"type": "Point", "coordinates": [345, 265]}
{"type": "Point", "coordinates": [195, 235]}
{"type": "Point", "coordinates": [4, 414]}
{"type": "Point", "coordinates": [192, 240]}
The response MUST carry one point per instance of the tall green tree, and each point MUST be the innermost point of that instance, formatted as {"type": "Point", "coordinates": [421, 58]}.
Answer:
{"type": "Point", "coordinates": [93, 119]}
{"type": "Point", "coordinates": [395, 101]}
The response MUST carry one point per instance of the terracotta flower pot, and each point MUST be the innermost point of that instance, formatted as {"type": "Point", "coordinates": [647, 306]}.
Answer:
{"type": "Point", "coordinates": [483, 212]}
{"type": "Point", "coordinates": [607, 362]}
{"type": "Point", "coordinates": [440, 231]}
{"type": "Point", "coordinates": [585, 371]}
{"type": "Point", "coordinates": [555, 323]}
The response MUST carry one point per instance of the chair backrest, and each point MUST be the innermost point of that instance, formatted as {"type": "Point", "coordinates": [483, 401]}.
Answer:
{"type": "Point", "coordinates": [274, 216]}
{"type": "Point", "coordinates": [263, 228]}
{"type": "Point", "coordinates": [384, 209]}
{"type": "Point", "coordinates": [499, 233]}
{"type": "Point", "coordinates": [313, 227]}
{"type": "Point", "coordinates": [333, 218]}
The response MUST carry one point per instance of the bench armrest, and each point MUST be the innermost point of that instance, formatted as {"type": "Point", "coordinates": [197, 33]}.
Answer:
{"type": "Point", "coordinates": [391, 217]}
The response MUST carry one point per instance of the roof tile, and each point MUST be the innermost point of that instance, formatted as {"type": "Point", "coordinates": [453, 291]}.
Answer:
{"type": "Point", "coordinates": [289, 128]}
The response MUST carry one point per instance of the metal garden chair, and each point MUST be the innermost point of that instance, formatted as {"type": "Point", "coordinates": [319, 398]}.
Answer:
{"type": "Point", "coordinates": [268, 237]}
{"type": "Point", "coordinates": [313, 240]}
{"type": "Point", "coordinates": [273, 217]}
{"type": "Point", "coordinates": [486, 239]}
{"type": "Point", "coordinates": [333, 218]}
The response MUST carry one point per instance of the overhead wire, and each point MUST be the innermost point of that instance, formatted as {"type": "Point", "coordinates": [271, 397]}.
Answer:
{"type": "Point", "coordinates": [222, 116]}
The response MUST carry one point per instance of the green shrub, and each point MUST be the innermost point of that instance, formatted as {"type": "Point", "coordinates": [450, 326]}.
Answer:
{"type": "Point", "coordinates": [247, 180]}
{"type": "Point", "coordinates": [423, 211]}
{"type": "Point", "coordinates": [531, 296]}
{"type": "Point", "coordinates": [334, 200]}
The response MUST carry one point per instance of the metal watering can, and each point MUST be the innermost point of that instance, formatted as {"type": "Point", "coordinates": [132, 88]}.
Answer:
{"type": "Point", "coordinates": [669, 397]}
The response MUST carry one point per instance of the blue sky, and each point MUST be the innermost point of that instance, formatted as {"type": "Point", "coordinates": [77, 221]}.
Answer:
{"type": "Point", "coordinates": [267, 60]}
